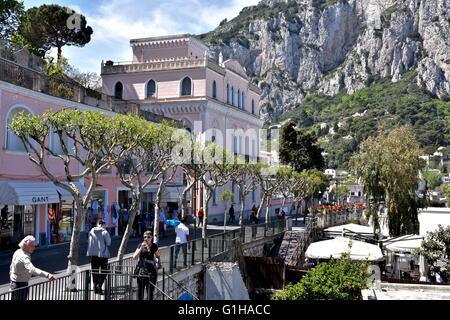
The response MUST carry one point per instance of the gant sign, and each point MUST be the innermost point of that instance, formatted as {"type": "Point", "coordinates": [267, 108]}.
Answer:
{"type": "Point", "coordinates": [38, 200]}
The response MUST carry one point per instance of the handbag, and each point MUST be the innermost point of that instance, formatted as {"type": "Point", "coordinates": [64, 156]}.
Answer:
{"type": "Point", "coordinates": [140, 269]}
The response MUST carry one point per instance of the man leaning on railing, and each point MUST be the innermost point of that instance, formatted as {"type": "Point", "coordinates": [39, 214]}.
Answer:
{"type": "Point", "coordinates": [22, 269]}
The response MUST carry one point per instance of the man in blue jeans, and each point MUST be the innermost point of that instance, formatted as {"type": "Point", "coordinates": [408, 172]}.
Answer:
{"type": "Point", "coordinates": [181, 242]}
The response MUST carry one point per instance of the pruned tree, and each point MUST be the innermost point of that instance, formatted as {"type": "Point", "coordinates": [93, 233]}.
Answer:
{"type": "Point", "coordinates": [217, 174]}
{"type": "Point", "coordinates": [241, 175]}
{"type": "Point", "coordinates": [226, 196]}
{"type": "Point", "coordinates": [85, 139]}
{"type": "Point", "coordinates": [144, 161]}
{"type": "Point", "coordinates": [265, 178]}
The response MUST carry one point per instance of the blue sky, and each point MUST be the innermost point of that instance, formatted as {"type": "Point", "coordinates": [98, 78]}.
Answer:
{"type": "Point", "coordinates": [115, 22]}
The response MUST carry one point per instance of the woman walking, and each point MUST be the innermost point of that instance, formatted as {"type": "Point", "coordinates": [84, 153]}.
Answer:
{"type": "Point", "coordinates": [147, 252]}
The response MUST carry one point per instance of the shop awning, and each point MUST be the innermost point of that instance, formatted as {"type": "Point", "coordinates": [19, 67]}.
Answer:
{"type": "Point", "coordinates": [66, 195]}
{"type": "Point", "coordinates": [27, 193]}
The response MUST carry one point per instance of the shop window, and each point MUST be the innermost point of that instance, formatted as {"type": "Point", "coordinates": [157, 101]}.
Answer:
{"type": "Point", "coordinates": [151, 89]}
{"type": "Point", "coordinates": [118, 90]}
{"type": "Point", "coordinates": [13, 142]}
{"type": "Point", "coordinates": [186, 87]}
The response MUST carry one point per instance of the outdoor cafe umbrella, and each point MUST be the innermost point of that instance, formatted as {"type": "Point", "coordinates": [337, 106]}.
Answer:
{"type": "Point", "coordinates": [351, 228]}
{"type": "Point", "coordinates": [407, 243]}
{"type": "Point", "coordinates": [335, 248]}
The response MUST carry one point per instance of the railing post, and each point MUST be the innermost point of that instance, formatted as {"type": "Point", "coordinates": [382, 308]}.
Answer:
{"type": "Point", "coordinates": [171, 259]}
{"type": "Point", "coordinates": [87, 282]}
{"type": "Point", "coordinates": [209, 248]}
{"type": "Point", "coordinates": [203, 250]}
{"type": "Point", "coordinates": [223, 242]}
{"type": "Point", "coordinates": [164, 283]}
{"type": "Point", "coordinates": [193, 252]}
{"type": "Point", "coordinates": [108, 286]}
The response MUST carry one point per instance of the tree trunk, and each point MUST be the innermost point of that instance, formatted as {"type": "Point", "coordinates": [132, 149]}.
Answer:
{"type": "Point", "coordinates": [59, 53]}
{"type": "Point", "coordinates": [241, 217]}
{"type": "Point", "coordinates": [123, 245]}
{"type": "Point", "coordinates": [261, 203]}
{"type": "Point", "coordinates": [283, 202]}
{"type": "Point", "coordinates": [184, 206]}
{"type": "Point", "coordinates": [72, 265]}
{"type": "Point", "coordinates": [268, 209]}
{"type": "Point", "coordinates": [205, 216]}
{"type": "Point", "coordinates": [157, 208]}
{"type": "Point", "coordinates": [225, 205]}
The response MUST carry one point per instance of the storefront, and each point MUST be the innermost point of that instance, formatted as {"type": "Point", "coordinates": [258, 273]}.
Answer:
{"type": "Point", "coordinates": [22, 203]}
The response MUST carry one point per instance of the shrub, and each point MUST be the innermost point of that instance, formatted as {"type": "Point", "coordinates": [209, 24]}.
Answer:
{"type": "Point", "coordinates": [335, 280]}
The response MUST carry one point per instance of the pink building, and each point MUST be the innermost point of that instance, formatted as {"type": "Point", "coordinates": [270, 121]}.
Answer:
{"type": "Point", "coordinates": [174, 76]}
{"type": "Point", "coordinates": [29, 203]}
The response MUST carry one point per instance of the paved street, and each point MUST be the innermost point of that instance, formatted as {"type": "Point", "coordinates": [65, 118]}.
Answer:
{"type": "Point", "coordinates": [54, 258]}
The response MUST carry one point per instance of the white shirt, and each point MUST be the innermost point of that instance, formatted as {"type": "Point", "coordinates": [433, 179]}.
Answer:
{"type": "Point", "coordinates": [22, 269]}
{"type": "Point", "coordinates": [182, 231]}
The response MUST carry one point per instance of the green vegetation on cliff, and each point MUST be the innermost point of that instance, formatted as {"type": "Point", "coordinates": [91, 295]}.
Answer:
{"type": "Point", "coordinates": [342, 122]}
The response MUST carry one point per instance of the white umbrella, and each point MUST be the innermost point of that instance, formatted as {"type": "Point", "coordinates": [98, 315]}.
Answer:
{"type": "Point", "coordinates": [351, 227]}
{"type": "Point", "coordinates": [406, 243]}
{"type": "Point", "coordinates": [334, 248]}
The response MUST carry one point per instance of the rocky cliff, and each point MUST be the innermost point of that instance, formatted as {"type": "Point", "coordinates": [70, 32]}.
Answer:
{"type": "Point", "coordinates": [291, 48]}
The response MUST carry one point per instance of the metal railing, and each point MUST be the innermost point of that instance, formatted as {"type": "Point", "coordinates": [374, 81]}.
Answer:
{"type": "Point", "coordinates": [121, 284]}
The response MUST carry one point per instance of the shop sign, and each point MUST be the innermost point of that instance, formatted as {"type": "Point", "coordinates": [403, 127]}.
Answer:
{"type": "Point", "coordinates": [38, 200]}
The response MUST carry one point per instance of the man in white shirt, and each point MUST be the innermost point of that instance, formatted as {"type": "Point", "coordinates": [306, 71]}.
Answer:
{"type": "Point", "coordinates": [22, 269]}
{"type": "Point", "coordinates": [181, 242]}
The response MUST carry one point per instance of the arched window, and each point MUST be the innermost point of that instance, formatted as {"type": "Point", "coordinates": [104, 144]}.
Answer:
{"type": "Point", "coordinates": [214, 89]}
{"type": "Point", "coordinates": [232, 96]}
{"type": "Point", "coordinates": [13, 142]}
{"type": "Point", "coordinates": [253, 106]}
{"type": "Point", "coordinates": [243, 100]}
{"type": "Point", "coordinates": [186, 87]}
{"type": "Point", "coordinates": [118, 90]}
{"type": "Point", "coordinates": [228, 94]}
{"type": "Point", "coordinates": [239, 98]}
{"type": "Point", "coordinates": [151, 89]}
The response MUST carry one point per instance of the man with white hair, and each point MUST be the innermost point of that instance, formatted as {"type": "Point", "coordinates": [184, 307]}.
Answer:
{"type": "Point", "coordinates": [22, 269]}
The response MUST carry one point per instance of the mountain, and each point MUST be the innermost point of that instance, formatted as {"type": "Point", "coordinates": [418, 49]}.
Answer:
{"type": "Point", "coordinates": [294, 48]}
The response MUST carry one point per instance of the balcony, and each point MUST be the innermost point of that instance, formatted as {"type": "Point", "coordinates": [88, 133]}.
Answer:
{"type": "Point", "coordinates": [110, 67]}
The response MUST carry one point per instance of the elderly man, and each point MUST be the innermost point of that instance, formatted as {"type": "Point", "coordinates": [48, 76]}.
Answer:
{"type": "Point", "coordinates": [22, 269]}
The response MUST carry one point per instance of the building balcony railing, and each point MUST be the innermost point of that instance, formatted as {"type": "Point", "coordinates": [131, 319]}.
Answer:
{"type": "Point", "coordinates": [68, 89]}
{"type": "Point", "coordinates": [110, 67]}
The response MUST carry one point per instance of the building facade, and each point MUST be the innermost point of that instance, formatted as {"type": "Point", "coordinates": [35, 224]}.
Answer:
{"type": "Point", "coordinates": [175, 76]}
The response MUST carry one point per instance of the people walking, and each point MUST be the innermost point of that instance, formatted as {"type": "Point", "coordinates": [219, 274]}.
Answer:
{"type": "Point", "coordinates": [147, 252]}
{"type": "Point", "coordinates": [162, 224]}
{"type": "Point", "coordinates": [124, 216]}
{"type": "Point", "coordinates": [254, 215]}
{"type": "Point", "coordinates": [21, 269]}
{"type": "Point", "coordinates": [181, 242]}
{"type": "Point", "coordinates": [99, 241]}
{"type": "Point", "coordinates": [200, 215]}
{"type": "Point", "coordinates": [231, 214]}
